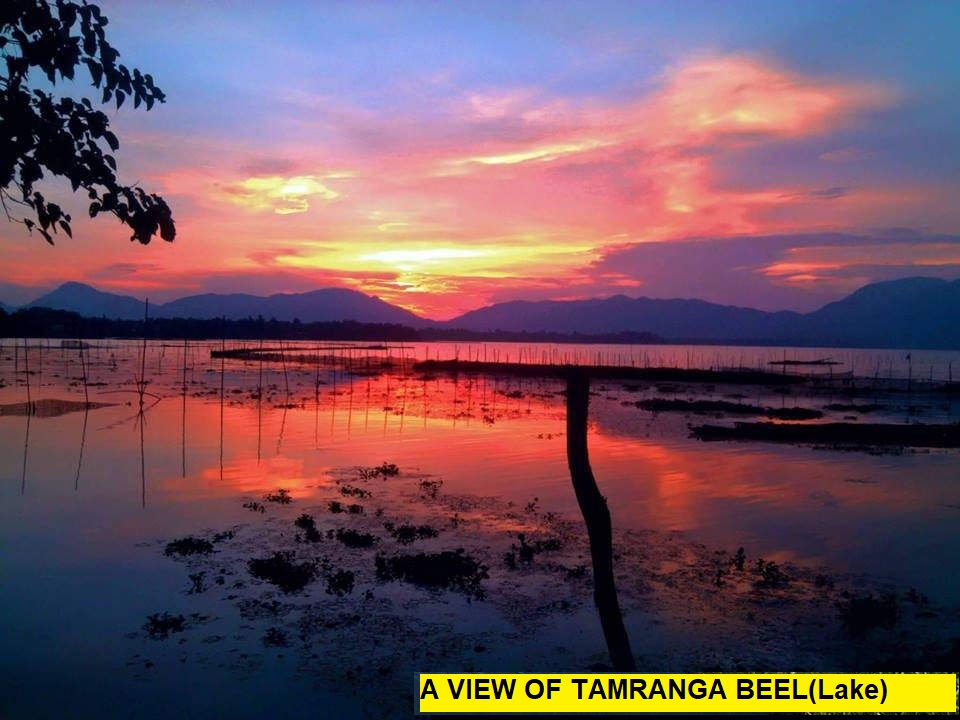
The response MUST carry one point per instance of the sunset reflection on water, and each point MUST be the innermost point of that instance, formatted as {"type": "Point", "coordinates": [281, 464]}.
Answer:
{"type": "Point", "coordinates": [485, 436]}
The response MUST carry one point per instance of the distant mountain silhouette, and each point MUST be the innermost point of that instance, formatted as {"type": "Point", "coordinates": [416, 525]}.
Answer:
{"type": "Point", "coordinates": [328, 304]}
{"type": "Point", "coordinates": [324, 305]}
{"type": "Point", "coordinates": [907, 313]}
{"type": "Point", "coordinates": [675, 319]}
{"type": "Point", "coordinates": [91, 302]}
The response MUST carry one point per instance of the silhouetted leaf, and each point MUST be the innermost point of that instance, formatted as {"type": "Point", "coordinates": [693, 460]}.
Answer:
{"type": "Point", "coordinates": [96, 72]}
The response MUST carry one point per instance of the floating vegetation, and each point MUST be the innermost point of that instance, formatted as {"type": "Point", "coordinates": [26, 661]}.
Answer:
{"type": "Point", "coordinates": [255, 506]}
{"type": "Point", "coordinates": [354, 491]}
{"type": "Point", "coordinates": [275, 637]}
{"type": "Point", "coordinates": [610, 372]}
{"type": "Point", "coordinates": [337, 507]}
{"type": "Point", "coordinates": [340, 582]}
{"type": "Point", "coordinates": [771, 576]}
{"type": "Point", "coordinates": [836, 434]}
{"type": "Point", "coordinates": [309, 526]}
{"type": "Point", "coordinates": [430, 488]}
{"type": "Point", "coordinates": [448, 570]}
{"type": "Point", "coordinates": [861, 614]}
{"type": "Point", "coordinates": [384, 470]}
{"type": "Point", "coordinates": [281, 496]}
{"type": "Point", "coordinates": [739, 559]}
{"type": "Point", "coordinates": [725, 407]}
{"type": "Point", "coordinates": [188, 546]}
{"type": "Point", "coordinates": [356, 540]}
{"type": "Point", "coordinates": [280, 569]}
{"type": "Point", "coordinates": [406, 534]}
{"type": "Point", "coordinates": [525, 552]}
{"type": "Point", "coordinates": [160, 626]}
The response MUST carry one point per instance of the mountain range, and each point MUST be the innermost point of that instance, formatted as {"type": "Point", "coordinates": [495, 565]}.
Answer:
{"type": "Point", "coordinates": [908, 313]}
{"type": "Point", "coordinates": [911, 312]}
{"type": "Point", "coordinates": [324, 305]}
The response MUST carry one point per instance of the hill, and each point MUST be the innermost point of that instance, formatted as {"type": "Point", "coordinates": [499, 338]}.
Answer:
{"type": "Point", "coordinates": [325, 305]}
{"type": "Point", "coordinates": [906, 313]}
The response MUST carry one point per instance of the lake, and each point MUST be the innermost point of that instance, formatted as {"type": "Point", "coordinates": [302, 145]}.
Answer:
{"type": "Point", "coordinates": [91, 499]}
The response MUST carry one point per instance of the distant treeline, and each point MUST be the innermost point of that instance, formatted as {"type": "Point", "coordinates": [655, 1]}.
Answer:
{"type": "Point", "coordinates": [42, 322]}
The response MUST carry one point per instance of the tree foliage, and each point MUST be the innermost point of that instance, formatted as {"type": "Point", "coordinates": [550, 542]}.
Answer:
{"type": "Point", "coordinates": [42, 44]}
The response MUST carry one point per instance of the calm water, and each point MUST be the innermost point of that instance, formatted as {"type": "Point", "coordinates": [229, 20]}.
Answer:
{"type": "Point", "coordinates": [84, 498]}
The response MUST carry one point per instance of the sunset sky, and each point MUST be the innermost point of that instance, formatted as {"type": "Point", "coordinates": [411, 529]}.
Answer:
{"type": "Point", "coordinates": [446, 155]}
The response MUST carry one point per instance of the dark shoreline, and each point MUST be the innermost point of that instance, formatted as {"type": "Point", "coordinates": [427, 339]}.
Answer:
{"type": "Point", "coordinates": [63, 324]}
{"type": "Point", "coordinates": [610, 372]}
{"type": "Point", "coordinates": [836, 434]}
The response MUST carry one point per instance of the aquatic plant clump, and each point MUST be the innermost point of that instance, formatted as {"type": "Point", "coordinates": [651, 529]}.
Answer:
{"type": "Point", "coordinates": [309, 526]}
{"type": "Point", "coordinates": [384, 470]}
{"type": "Point", "coordinates": [188, 546]}
{"type": "Point", "coordinates": [526, 551]}
{"type": "Point", "coordinates": [449, 570]}
{"type": "Point", "coordinates": [340, 583]}
{"type": "Point", "coordinates": [281, 496]}
{"type": "Point", "coordinates": [430, 488]}
{"type": "Point", "coordinates": [337, 507]}
{"type": "Point", "coordinates": [771, 576]}
{"type": "Point", "coordinates": [354, 491]}
{"type": "Point", "coordinates": [355, 539]}
{"type": "Point", "coordinates": [275, 637]}
{"type": "Point", "coordinates": [280, 569]}
{"type": "Point", "coordinates": [406, 534]}
{"type": "Point", "coordinates": [836, 434]}
{"type": "Point", "coordinates": [724, 407]}
{"type": "Point", "coordinates": [861, 614]}
{"type": "Point", "coordinates": [160, 626]}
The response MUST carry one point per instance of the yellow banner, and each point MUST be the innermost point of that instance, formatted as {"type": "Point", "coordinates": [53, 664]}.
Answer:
{"type": "Point", "coordinates": [709, 693]}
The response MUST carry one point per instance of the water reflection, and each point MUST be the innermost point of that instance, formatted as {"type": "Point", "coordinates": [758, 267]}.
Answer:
{"type": "Point", "coordinates": [198, 455]}
{"type": "Point", "coordinates": [485, 436]}
{"type": "Point", "coordinates": [83, 443]}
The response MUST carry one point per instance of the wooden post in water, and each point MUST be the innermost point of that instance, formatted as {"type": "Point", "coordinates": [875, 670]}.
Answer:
{"type": "Point", "coordinates": [223, 347]}
{"type": "Point", "coordinates": [183, 414]}
{"type": "Point", "coordinates": [141, 418]}
{"type": "Point", "coordinates": [26, 375]}
{"type": "Point", "coordinates": [596, 515]}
